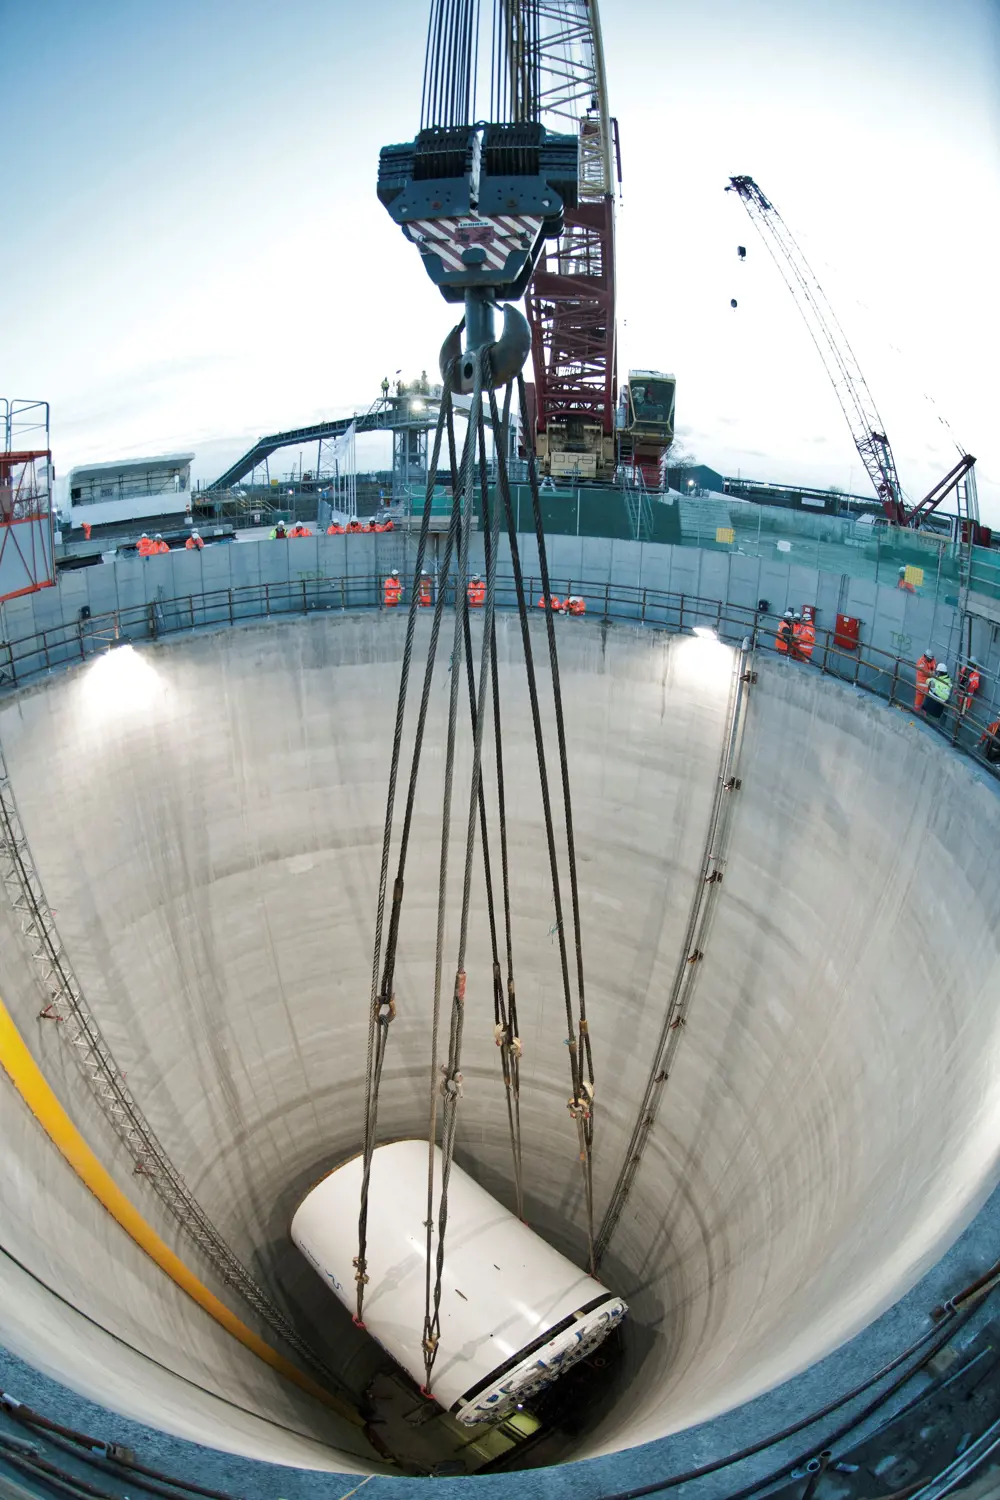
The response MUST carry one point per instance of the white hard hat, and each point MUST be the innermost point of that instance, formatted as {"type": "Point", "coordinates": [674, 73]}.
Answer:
{"type": "Point", "coordinates": [942, 669]}
{"type": "Point", "coordinates": [395, 572]}
{"type": "Point", "coordinates": [902, 572]}
{"type": "Point", "coordinates": [158, 537]}
{"type": "Point", "coordinates": [144, 537]}
{"type": "Point", "coordinates": [477, 578]}
{"type": "Point", "coordinates": [194, 533]}
{"type": "Point", "coordinates": [789, 615]}
{"type": "Point", "coordinates": [796, 616]}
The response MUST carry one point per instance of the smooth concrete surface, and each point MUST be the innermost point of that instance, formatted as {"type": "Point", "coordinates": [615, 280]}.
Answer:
{"type": "Point", "coordinates": [206, 816]}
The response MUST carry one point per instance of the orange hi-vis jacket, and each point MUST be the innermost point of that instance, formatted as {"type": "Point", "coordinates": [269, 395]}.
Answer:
{"type": "Point", "coordinates": [193, 544]}
{"type": "Point", "coordinates": [805, 639]}
{"type": "Point", "coordinates": [785, 636]}
{"type": "Point", "coordinates": [392, 591]}
{"type": "Point", "coordinates": [477, 593]}
{"type": "Point", "coordinates": [576, 605]}
{"type": "Point", "coordinates": [144, 547]}
{"type": "Point", "coordinates": [335, 529]}
{"type": "Point", "coordinates": [555, 602]}
{"type": "Point", "coordinates": [925, 670]}
{"type": "Point", "coordinates": [425, 593]}
{"type": "Point", "coordinates": [968, 685]}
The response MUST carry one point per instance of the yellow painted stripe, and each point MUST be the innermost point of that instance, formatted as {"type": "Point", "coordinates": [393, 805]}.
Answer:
{"type": "Point", "coordinates": [31, 1084]}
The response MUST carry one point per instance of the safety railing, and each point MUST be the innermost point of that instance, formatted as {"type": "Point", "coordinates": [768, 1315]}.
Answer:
{"type": "Point", "coordinates": [888, 676]}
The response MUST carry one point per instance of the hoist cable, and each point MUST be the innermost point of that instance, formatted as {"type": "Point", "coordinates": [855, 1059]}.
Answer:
{"type": "Point", "coordinates": [451, 1087]}
{"type": "Point", "coordinates": [585, 1104]}
{"type": "Point", "coordinates": [380, 1015]}
{"type": "Point", "coordinates": [504, 1012]}
{"type": "Point", "coordinates": [577, 1103]}
{"type": "Point", "coordinates": [431, 1325]}
{"type": "Point", "coordinates": [506, 1030]}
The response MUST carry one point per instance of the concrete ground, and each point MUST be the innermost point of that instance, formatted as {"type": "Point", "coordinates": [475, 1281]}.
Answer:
{"type": "Point", "coordinates": [206, 814]}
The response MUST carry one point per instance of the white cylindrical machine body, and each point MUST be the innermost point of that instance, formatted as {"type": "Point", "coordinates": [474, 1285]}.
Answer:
{"type": "Point", "coordinates": [514, 1312]}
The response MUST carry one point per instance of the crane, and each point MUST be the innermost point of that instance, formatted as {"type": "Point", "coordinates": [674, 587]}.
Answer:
{"type": "Point", "coordinates": [571, 298]}
{"type": "Point", "coordinates": [856, 400]}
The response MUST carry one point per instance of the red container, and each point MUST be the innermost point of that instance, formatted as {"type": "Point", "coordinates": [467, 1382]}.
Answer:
{"type": "Point", "coordinates": [846, 633]}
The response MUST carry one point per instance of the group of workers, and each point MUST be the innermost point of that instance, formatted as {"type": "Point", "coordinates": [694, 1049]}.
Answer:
{"type": "Point", "coordinates": [935, 685]}
{"type": "Point", "coordinates": [336, 529]}
{"type": "Point", "coordinates": [573, 604]}
{"type": "Point", "coordinates": [153, 546]}
{"type": "Point", "coordinates": [796, 636]}
{"type": "Point", "coordinates": [282, 532]}
{"type": "Point", "coordinates": [392, 593]}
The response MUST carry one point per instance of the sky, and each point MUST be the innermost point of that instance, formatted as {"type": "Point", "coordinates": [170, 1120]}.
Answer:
{"type": "Point", "coordinates": [193, 253]}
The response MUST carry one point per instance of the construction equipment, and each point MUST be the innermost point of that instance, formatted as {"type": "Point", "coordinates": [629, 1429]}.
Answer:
{"type": "Point", "coordinates": [571, 298]}
{"type": "Point", "coordinates": [856, 401]}
{"type": "Point", "coordinates": [646, 427]}
{"type": "Point", "coordinates": [478, 200]}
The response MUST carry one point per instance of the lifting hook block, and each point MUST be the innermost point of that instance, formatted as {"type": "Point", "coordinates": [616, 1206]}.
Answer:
{"type": "Point", "coordinates": [750, 677]}
{"type": "Point", "coordinates": [696, 956]}
{"type": "Point", "coordinates": [733, 784]}
{"type": "Point", "coordinates": [714, 878]}
{"type": "Point", "coordinates": [460, 986]}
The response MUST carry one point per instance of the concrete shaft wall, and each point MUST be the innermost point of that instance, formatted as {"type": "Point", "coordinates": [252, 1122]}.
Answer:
{"type": "Point", "coordinates": [206, 816]}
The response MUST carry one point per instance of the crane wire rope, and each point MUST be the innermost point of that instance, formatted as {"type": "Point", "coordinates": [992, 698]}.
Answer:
{"type": "Point", "coordinates": [450, 1088]}
{"type": "Point", "coordinates": [580, 1104]}
{"type": "Point", "coordinates": [382, 1001]}
{"type": "Point", "coordinates": [505, 1025]}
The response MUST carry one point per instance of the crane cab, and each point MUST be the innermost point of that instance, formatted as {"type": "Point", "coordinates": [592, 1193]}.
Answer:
{"type": "Point", "coordinates": [646, 424]}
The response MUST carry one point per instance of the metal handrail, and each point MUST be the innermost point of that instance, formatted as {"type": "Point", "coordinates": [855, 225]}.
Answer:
{"type": "Point", "coordinates": [887, 676]}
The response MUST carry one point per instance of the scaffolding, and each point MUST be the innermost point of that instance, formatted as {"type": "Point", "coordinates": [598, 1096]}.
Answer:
{"type": "Point", "coordinates": [26, 475]}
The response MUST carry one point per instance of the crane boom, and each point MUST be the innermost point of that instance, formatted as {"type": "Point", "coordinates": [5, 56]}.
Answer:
{"type": "Point", "coordinates": [571, 299]}
{"type": "Point", "coordinates": [839, 360]}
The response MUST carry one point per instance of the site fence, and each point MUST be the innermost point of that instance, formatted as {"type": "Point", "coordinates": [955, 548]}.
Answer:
{"type": "Point", "coordinates": [887, 676]}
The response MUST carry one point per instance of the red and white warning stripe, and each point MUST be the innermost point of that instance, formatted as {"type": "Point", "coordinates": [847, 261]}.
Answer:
{"type": "Point", "coordinates": [496, 236]}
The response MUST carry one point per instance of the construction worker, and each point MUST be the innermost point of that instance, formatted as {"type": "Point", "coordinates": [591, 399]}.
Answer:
{"type": "Point", "coordinates": [300, 529]}
{"type": "Point", "coordinates": [926, 666]}
{"type": "Point", "coordinates": [804, 643]}
{"type": "Point", "coordinates": [159, 545]}
{"type": "Point", "coordinates": [144, 546]}
{"type": "Point", "coordinates": [785, 638]}
{"type": "Point", "coordinates": [354, 525]}
{"type": "Point", "coordinates": [938, 691]}
{"type": "Point", "coordinates": [194, 543]}
{"type": "Point", "coordinates": [279, 534]}
{"type": "Point", "coordinates": [989, 743]}
{"type": "Point", "coordinates": [392, 590]}
{"type": "Point", "coordinates": [425, 591]}
{"type": "Point", "coordinates": [968, 684]}
{"type": "Point", "coordinates": [904, 583]}
{"type": "Point", "coordinates": [87, 529]}
{"type": "Point", "coordinates": [335, 529]}
{"type": "Point", "coordinates": [555, 603]}
{"type": "Point", "coordinates": [575, 605]}
{"type": "Point", "coordinates": [387, 525]}
{"type": "Point", "coordinates": [476, 592]}
{"type": "Point", "coordinates": [377, 526]}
